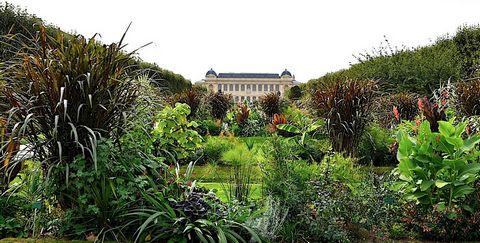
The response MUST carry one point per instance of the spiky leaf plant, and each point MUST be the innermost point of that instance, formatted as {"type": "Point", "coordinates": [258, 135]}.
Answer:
{"type": "Point", "coordinates": [346, 106]}
{"type": "Point", "coordinates": [65, 94]}
{"type": "Point", "coordinates": [190, 97]}
{"type": "Point", "coordinates": [270, 104]}
{"type": "Point", "coordinates": [219, 104]}
{"type": "Point", "coordinates": [468, 97]}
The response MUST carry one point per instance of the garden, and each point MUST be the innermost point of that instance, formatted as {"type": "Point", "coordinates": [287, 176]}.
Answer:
{"type": "Point", "coordinates": [93, 150]}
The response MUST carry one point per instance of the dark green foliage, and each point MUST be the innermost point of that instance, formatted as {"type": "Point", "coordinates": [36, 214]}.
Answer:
{"type": "Point", "coordinates": [246, 121]}
{"type": "Point", "coordinates": [294, 93]}
{"type": "Point", "coordinates": [209, 127]}
{"type": "Point", "coordinates": [413, 70]}
{"type": "Point", "coordinates": [253, 126]}
{"type": "Point", "coordinates": [270, 104]}
{"type": "Point", "coordinates": [10, 216]}
{"type": "Point", "coordinates": [287, 180]}
{"type": "Point", "coordinates": [467, 41]}
{"type": "Point", "coordinates": [219, 104]}
{"type": "Point", "coordinates": [346, 107]}
{"type": "Point", "coordinates": [374, 147]}
{"type": "Point", "coordinates": [165, 80]}
{"type": "Point", "coordinates": [468, 97]}
{"type": "Point", "coordinates": [328, 201]}
{"type": "Point", "coordinates": [100, 197]}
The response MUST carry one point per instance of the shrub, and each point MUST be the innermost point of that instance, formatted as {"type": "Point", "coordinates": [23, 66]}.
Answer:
{"type": "Point", "coordinates": [346, 107]}
{"type": "Point", "coordinates": [392, 109]}
{"type": "Point", "coordinates": [253, 126]}
{"type": "Point", "coordinates": [340, 214]}
{"type": "Point", "coordinates": [438, 168]}
{"type": "Point", "coordinates": [219, 104]}
{"type": "Point", "coordinates": [173, 134]}
{"type": "Point", "coordinates": [435, 224]}
{"type": "Point", "coordinates": [286, 180]}
{"type": "Point", "coordinates": [11, 224]}
{"type": "Point", "coordinates": [215, 147]}
{"type": "Point", "coordinates": [304, 139]}
{"type": "Point", "coordinates": [270, 104]}
{"type": "Point", "coordinates": [239, 155]}
{"type": "Point", "coordinates": [294, 93]}
{"type": "Point", "coordinates": [467, 40]}
{"type": "Point", "coordinates": [374, 146]}
{"type": "Point", "coordinates": [413, 70]}
{"type": "Point", "coordinates": [209, 127]}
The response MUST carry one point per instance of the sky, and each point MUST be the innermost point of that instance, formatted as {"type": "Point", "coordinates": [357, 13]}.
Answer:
{"type": "Point", "coordinates": [309, 38]}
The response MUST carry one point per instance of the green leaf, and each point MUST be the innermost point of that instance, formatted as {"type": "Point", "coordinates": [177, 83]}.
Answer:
{"type": "Point", "coordinates": [425, 185]}
{"type": "Point", "coordinates": [288, 128]}
{"type": "Point", "coordinates": [441, 183]}
{"type": "Point", "coordinates": [314, 126]}
{"type": "Point", "coordinates": [468, 208]}
{"type": "Point", "coordinates": [460, 129]}
{"type": "Point", "coordinates": [472, 168]}
{"type": "Point", "coordinates": [452, 215]}
{"type": "Point", "coordinates": [470, 143]}
{"type": "Point", "coordinates": [457, 142]}
{"type": "Point", "coordinates": [415, 196]}
{"type": "Point", "coordinates": [406, 166]}
{"type": "Point", "coordinates": [441, 207]}
{"type": "Point", "coordinates": [446, 128]}
{"type": "Point", "coordinates": [462, 191]}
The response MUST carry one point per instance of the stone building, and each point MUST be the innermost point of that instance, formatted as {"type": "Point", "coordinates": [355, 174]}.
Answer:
{"type": "Point", "coordinates": [248, 86]}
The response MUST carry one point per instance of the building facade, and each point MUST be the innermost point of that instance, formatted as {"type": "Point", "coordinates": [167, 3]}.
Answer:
{"type": "Point", "coordinates": [248, 86]}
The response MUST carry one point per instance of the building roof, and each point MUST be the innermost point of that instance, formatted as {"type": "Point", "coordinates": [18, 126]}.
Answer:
{"type": "Point", "coordinates": [211, 72]}
{"type": "Point", "coordinates": [248, 75]}
{"type": "Point", "coordinates": [286, 72]}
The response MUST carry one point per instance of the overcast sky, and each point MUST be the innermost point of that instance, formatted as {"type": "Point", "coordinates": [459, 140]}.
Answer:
{"type": "Point", "coordinates": [309, 38]}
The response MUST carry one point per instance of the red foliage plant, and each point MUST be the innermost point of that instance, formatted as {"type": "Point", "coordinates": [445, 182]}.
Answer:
{"type": "Point", "coordinates": [432, 112]}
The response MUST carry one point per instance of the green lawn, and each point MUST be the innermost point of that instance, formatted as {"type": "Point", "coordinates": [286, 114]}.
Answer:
{"type": "Point", "coordinates": [219, 189]}
{"type": "Point", "coordinates": [220, 173]}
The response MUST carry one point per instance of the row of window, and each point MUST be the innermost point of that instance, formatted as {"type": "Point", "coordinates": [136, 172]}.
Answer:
{"type": "Point", "coordinates": [243, 98]}
{"type": "Point", "coordinates": [249, 87]}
